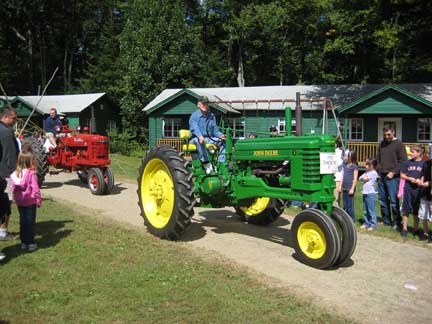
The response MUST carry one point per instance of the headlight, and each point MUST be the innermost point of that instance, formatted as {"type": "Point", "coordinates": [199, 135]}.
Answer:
{"type": "Point", "coordinates": [211, 150]}
{"type": "Point", "coordinates": [78, 128]}
{"type": "Point", "coordinates": [57, 128]}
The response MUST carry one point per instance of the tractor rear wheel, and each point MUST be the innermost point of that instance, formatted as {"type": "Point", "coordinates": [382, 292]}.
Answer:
{"type": "Point", "coordinates": [347, 234]}
{"type": "Point", "coordinates": [315, 239]}
{"type": "Point", "coordinates": [40, 157]}
{"type": "Point", "coordinates": [109, 181]}
{"type": "Point", "coordinates": [261, 211]}
{"type": "Point", "coordinates": [96, 181]}
{"type": "Point", "coordinates": [165, 193]}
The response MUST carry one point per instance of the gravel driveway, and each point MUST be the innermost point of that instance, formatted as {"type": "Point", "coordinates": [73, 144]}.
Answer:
{"type": "Point", "coordinates": [372, 289]}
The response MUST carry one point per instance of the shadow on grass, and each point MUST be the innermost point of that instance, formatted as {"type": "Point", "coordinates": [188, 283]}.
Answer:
{"type": "Point", "coordinates": [48, 234]}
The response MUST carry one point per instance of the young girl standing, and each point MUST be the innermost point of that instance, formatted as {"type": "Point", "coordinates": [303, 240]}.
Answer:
{"type": "Point", "coordinates": [27, 196]}
{"type": "Point", "coordinates": [349, 182]}
{"type": "Point", "coordinates": [369, 178]}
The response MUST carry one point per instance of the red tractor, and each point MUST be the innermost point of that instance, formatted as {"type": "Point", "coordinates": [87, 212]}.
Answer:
{"type": "Point", "coordinates": [82, 152]}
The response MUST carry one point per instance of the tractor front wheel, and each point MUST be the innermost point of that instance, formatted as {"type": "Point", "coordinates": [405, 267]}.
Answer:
{"type": "Point", "coordinates": [347, 234]}
{"type": "Point", "coordinates": [315, 238]}
{"type": "Point", "coordinates": [109, 181]}
{"type": "Point", "coordinates": [165, 193]}
{"type": "Point", "coordinates": [96, 181]}
{"type": "Point", "coordinates": [261, 211]}
{"type": "Point", "coordinates": [83, 176]}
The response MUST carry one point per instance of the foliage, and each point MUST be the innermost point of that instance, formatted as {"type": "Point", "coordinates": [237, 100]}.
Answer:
{"type": "Point", "coordinates": [125, 143]}
{"type": "Point", "coordinates": [135, 49]}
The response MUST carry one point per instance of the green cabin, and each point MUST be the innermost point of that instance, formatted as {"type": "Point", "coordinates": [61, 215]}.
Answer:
{"type": "Point", "coordinates": [362, 112]}
{"type": "Point", "coordinates": [93, 110]}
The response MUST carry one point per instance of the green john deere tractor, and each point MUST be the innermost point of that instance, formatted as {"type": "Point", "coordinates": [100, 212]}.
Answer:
{"type": "Point", "coordinates": [258, 177]}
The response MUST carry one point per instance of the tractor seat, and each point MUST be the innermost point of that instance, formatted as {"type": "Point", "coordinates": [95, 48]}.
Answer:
{"type": "Point", "coordinates": [185, 135]}
{"type": "Point", "coordinates": [192, 147]}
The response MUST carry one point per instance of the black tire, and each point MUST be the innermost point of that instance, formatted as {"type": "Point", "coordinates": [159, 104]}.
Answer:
{"type": "Point", "coordinates": [315, 239]}
{"type": "Point", "coordinates": [109, 181]}
{"type": "Point", "coordinates": [271, 212]}
{"type": "Point", "coordinates": [40, 157]}
{"type": "Point", "coordinates": [96, 181]}
{"type": "Point", "coordinates": [347, 234]}
{"type": "Point", "coordinates": [83, 176]}
{"type": "Point", "coordinates": [165, 193]}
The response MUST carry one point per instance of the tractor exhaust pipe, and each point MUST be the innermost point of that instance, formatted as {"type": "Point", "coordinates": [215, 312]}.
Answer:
{"type": "Point", "coordinates": [298, 115]}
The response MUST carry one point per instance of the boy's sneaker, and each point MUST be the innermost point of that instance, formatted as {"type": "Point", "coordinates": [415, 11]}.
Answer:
{"type": "Point", "coordinates": [2, 256]}
{"type": "Point", "coordinates": [404, 233]}
{"type": "Point", "coordinates": [4, 235]}
{"type": "Point", "coordinates": [363, 226]}
{"type": "Point", "coordinates": [24, 246]}
{"type": "Point", "coordinates": [371, 229]}
{"type": "Point", "coordinates": [32, 247]}
{"type": "Point", "coordinates": [208, 168]}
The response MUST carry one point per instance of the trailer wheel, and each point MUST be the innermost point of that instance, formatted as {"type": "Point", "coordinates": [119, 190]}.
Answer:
{"type": "Point", "coordinates": [40, 158]}
{"type": "Point", "coordinates": [347, 234]}
{"type": "Point", "coordinates": [261, 211]}
{"type": "Point", "coordinates": [96, 181]}
{"type": "Point", "coordinates": [109, 181]}
{"type": "Point", "coordinates": [165, 193]}
{"type": "Point", "coordinates": [315, 238]}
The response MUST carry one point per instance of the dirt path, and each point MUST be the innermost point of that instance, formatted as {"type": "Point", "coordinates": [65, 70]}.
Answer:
{"type": "Point", "coordinates": [371, 290]}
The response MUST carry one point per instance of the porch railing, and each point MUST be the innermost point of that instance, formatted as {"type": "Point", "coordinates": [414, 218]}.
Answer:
{"type": "Point", "coordinates": [31, 127]}
{"type": "Point", "coordinates": [367, 150]}
{"type": "Point", "coordinates": [174, 142]}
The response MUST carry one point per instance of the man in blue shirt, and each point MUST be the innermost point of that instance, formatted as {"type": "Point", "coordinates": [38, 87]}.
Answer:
{"type": "Point", "coordinates": [202, 125]}
{"type": "Point", "coordinates": [50, 126]}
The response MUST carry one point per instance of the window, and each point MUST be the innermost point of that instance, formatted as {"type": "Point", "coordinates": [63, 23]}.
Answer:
{"type": "Point", "coordinates": [237, 125]}
{"type": "Point", "coordinates": [112, 125]}
{"type": "Point", "coordinates": [281, 126]}
{"type": "Point", "coordinates": [171, 127]}
{"type": "Point", "coordinates": [424, 129]}
{"type": "Point", "coordinates": [356, 129]}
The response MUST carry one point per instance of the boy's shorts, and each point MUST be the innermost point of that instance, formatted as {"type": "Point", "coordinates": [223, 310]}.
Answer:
{"type": "Point", "coordinates": [411, 201]}
{"type": "Point", "coordinates": [425, 210]}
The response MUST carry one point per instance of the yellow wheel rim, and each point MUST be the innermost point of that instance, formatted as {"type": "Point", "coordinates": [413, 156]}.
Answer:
{"type": "Point", "coordinates": [157, 193]}
{"type": "Point", "coordinates": [257, 207]}
{"type": "Point", "coordinates": [311, 240]}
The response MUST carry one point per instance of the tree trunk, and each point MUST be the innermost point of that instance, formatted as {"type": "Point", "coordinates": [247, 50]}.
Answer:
{"type": "Point", "coordinates": [280, 71]}
{"type": "Point", "coordinates": [65, 69]}
{"type": "Point", "coordinates": [240, 72]}
{"type": "Point", "coordinates": [394, 60]}
{"type": "Point", "coordinates": [30, 64]}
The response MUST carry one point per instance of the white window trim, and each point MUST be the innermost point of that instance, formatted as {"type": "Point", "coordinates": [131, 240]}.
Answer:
{"type": "Point", "coordinates": [430, 127]}
{"type": "Point", "coordinates": [349, 130]}
{"type": "Point", "coordinates": [281, 122]}
{"type": "Point", "coordinates": [163, 126]}
{"type": "Point", "coordinates": [235, 121]}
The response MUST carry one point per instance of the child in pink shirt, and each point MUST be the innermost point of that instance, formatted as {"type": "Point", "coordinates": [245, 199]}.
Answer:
{"type": "Point", "coordinates": [27, 196]}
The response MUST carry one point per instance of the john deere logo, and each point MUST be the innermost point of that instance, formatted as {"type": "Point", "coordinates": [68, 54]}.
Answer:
{"type": "Point", "coordinates": [266, 153]}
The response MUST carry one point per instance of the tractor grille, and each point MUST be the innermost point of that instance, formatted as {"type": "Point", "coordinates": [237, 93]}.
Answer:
{"type": "Point", "coordinates": [311, 166]}
{"type": "Point", "coordinates": [100, 149]}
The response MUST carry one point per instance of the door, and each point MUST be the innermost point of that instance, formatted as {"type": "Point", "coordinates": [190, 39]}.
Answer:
{"type": "Point", "coordinates": [395, 123]}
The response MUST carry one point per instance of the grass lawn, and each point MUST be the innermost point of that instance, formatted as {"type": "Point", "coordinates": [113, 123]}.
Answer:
{"type": "Point", "coordinates": [125, 167]}
{"type": "Point", "coordinates": [90, 271]}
